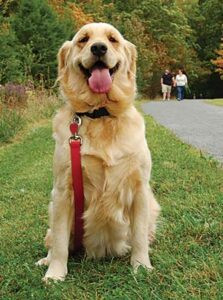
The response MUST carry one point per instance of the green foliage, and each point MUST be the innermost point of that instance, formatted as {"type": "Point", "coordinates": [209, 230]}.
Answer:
{"type": "Point", "coordinates": [210, 30]}
{"type": "Point", "coordinates": [205, 19]}
{"type": "Point", "coordinates": [39, 33]}
{"type": "Point", "coordinates": [10, 63]}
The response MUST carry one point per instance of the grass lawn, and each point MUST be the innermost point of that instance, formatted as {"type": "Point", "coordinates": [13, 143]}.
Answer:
{"type": "Point", "coordinates": [218, 102]}
{"type": "Point", "coordinates": [186, 254]}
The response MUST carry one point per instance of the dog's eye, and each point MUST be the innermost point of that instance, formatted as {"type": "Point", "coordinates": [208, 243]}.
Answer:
{"type": "Point", "coordinates": [112, 40]}
{"type": "Point", "coordinates": [84, 39]}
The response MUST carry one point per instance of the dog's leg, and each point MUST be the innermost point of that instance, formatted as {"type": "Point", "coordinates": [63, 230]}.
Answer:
{"type": "Point", "coordinates": [48, 243]}
{"type": "Point", "coordinates": [60, 235]}
{"type": "Point", "coordinates": [154, 211]}
{"type": "Point", "coordinates": [48, 240]}
{"type": "Point", "coordinates": [140, 226]}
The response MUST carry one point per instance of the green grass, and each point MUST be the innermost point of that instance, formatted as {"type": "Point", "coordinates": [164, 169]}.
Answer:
{"type": "Point", "coordinates": [186, 254]}
{"type": "Point", "coordinates": [218, 102]}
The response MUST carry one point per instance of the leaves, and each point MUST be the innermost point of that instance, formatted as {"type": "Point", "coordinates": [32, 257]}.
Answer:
{"type": "Point", "coordinates": [218, 62]}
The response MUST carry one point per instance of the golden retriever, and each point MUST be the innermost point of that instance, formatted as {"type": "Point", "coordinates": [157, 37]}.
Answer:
{"type": "Point", "coordinates": [98, 69]}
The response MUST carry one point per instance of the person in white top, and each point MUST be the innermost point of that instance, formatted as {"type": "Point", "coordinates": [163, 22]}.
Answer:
{"type": "Point", "coordinates": [180, 82]}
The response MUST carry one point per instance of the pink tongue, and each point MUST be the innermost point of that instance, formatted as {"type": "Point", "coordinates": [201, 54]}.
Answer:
{"type": "Point", "coordinates": [100, 81]}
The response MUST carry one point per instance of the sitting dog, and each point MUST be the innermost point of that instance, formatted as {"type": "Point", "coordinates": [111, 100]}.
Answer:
{"type": "Point", "coordinates": [97, 70]}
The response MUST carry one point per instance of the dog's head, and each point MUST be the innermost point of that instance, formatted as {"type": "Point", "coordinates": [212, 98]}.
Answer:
{"type": "Point", "coordinates": [97, 68]}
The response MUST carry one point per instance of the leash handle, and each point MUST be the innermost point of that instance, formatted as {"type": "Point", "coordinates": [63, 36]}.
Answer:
{"type": "Point", "coordinates": [77, 183]}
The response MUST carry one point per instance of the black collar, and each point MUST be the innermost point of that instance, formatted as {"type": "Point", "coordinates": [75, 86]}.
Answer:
{"type": "Point", "coordinates": [97, 113]}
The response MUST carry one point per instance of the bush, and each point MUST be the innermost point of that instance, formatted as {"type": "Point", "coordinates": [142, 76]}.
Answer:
{"type": "Point", "coordinates": [41, 104]}
{"type": "Point", "coordinates": [13, 94]}
{"type": "Point", "coordinates": [11, 121]}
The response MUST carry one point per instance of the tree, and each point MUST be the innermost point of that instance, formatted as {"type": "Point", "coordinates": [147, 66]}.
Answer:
{"type": "Point", "coordinates": [207, 25]}
{"type": "Point", "coordinates": [218, 62]}
{"type": "Point", "coordinates": [40, 33]}
{"type": "Point", "coordinates": [10, 64]}
{"type": "Point", "coordinates": [209, 31]}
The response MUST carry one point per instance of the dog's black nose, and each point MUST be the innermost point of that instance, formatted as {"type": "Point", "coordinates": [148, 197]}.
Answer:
{"type": "Point", "coordinates": [99, 49]}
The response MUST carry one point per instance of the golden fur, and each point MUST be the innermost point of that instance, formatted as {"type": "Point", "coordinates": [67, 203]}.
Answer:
{"type": "Point", "coordinates": [120, 209]}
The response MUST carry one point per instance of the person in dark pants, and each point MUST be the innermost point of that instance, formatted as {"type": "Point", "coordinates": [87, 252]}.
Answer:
{"type": "Point", "coordinates": [166, 84]}
{"type": "Point", "coordinates": [181, 82]}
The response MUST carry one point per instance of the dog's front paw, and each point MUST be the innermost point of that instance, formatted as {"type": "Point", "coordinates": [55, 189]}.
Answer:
{"type": "Point", "coordinates": [141, 260]}
{"type": "Point", "coordinates": [56, 271]}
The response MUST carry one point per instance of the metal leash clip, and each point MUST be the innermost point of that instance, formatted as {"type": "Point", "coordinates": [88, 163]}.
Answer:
{"type": "Point", "coordinates": [74, 126]}
{"type": "Point", "coordinates": [76, 137]}
{"type": "Point", "coordinates": [77, 120]}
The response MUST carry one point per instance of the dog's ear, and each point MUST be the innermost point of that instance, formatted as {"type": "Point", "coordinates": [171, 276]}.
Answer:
{"type": "Point", "coordinates": [131, 54]}
{"type": "Point", "coordinates": [62, 57]}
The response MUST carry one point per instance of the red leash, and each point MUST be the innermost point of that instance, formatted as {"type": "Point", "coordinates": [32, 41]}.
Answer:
{"type": "Point", "coordinates": [77, 182]}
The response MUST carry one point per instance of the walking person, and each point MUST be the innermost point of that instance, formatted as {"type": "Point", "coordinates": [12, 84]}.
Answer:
{"type": "Point", "coordinates": [180, 82]}
{"type": "Point", "coordinates": [166, 84]}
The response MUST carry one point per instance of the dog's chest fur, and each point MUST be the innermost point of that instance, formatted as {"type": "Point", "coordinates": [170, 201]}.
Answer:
{"type": "Point", "coordinates": [108, 163]}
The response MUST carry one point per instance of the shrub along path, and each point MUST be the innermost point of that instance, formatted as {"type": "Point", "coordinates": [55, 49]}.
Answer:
{"type": "Point", "coordinates": [194, 121]}
{"type": "Point", "coordinates": [186, 254]}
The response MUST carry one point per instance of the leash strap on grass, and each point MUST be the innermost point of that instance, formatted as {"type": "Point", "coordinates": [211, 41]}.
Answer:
{"type": "Point", "coordinates": [77, 183]}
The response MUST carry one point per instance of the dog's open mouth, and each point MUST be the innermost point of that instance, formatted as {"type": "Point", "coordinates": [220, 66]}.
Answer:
{"type": "Point", "coordinates": [99, 76]}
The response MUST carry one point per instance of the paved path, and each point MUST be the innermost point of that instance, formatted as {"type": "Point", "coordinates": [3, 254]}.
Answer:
{"type": "Point", "coordinates": [194, 121]}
